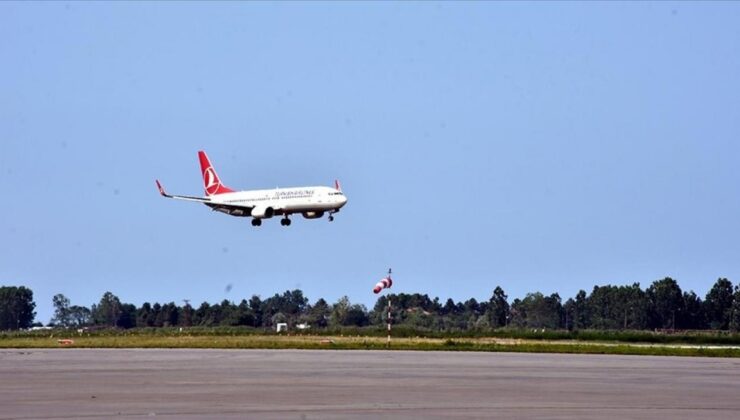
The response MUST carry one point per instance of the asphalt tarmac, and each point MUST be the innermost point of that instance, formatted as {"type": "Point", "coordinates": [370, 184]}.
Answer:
{"type": "Point", "coordinates": [326, 384]}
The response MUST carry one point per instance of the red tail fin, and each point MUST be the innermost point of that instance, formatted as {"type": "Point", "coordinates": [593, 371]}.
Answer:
{"type": "Point", "coordinates": [211, 181]}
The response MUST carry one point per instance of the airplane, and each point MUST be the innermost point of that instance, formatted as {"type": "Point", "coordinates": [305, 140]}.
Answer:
{"type": "Point", "coordinates": [311, 202]}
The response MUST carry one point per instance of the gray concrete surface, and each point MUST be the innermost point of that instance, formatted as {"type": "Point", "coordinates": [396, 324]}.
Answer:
{"type": "Point", "coordinates": [288, 384]}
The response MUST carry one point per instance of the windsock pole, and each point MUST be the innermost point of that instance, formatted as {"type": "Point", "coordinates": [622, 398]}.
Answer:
{"type": "Point", "coordinates": [386, 283]}
{"type": "Point", "coordinates": [388, 343]}
{"type": "Point", "coordinates": [390, 316]}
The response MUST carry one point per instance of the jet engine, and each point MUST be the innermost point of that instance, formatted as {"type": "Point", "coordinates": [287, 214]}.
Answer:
{"type": "Point", "coordinates": [262, 212]}
{"type": "Point", "coordinates": [313, 214]}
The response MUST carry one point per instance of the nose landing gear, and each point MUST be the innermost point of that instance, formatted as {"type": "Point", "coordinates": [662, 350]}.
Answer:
{"type": "Point", "coordinates": [331, 215]}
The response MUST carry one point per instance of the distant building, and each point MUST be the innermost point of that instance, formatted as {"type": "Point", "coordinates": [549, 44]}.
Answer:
{"type": "Point", "coordinates": [38, 328]}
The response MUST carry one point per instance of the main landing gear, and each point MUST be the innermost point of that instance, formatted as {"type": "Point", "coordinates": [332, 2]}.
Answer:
{"type": "Point", "coordinates": [258, 222]}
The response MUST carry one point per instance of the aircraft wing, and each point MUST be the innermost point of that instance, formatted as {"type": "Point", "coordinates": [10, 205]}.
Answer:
{"type": "Point", "coordinates": [228, 208]}
{"type": "Point", "coordinates": [181, 197]}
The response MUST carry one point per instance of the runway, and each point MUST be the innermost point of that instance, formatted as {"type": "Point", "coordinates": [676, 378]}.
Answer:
{"type": "Point", "coordinates": [326, 384]}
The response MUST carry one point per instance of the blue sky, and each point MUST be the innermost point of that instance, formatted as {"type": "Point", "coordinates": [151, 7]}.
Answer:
{"type": "Point", "coordinates": [536, 146]}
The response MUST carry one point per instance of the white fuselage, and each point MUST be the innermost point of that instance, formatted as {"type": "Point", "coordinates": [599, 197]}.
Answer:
{"type": "Point", "coordinates": [264, 203]}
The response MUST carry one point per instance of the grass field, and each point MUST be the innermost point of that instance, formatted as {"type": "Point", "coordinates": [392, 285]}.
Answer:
{"type": "Point", "coordinates": [271, 341]}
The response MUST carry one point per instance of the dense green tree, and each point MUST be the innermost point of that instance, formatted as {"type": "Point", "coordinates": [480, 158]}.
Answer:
{"type": "Point", "coordinates": [692, 317]}
{"type": "Point", "coordinates": [436, 306]}
{"type": "Point", "coordinates": [278, 318]}
{"type": "Point", "coordinates": [187, 313]}
{"type": "Point", "coordinates": [518, 312]}
{"type": "Point", "coordinates": [356, 316]}
{"type": "Point", "coordinates": [291, 304]}
{"type": "Point", "coordinates": [718, 304]}
{"type": "Point", "coordinates": [234, 315]}
{"type": "Point", "coordinates": [482, 323]}
{"type": "Point", "coordinates": [498, 308]}
{"type": "Point", "coordinates": [618, 307]}
{"type": "Point", "coordinates": [156, 315]}
{"type": "Point", "coordinates": [107, 311]}
{"type": "Point", "coordinates": [471, 307]}
{"type": "Point", "coordinates": [255, 305]}
{"type": "Point", "coordinates": [243, 314]}
{"type": "Point", "coordinates": [666, 303]}
{"type": "Point", "coordinates": [127, 318]}
{"type": "Point", "coordinates": [202, 314]}
{"type": "Point", "coordinates": [339, 312]}
{"type": "Point", "coordinates": [419, 302]}
{"type": "Point", "coordinates": [62, 316]}
{"type": "Point", "coordinates": [544, 311]}
{"type": "Point", "coordinates": [569, 309]}
{"type": "Point", "coordinates": [228, 312]}
{"type": "Point", "coordinates": [16, 308]}
{"type": "Point", "coordinates": [735, 312]}
{"type": "Point", "coordinates": [662, 305]}
{"type": "Point", "coordinates": [318, 315]}
{"type": "Point", "coordinates": [601, 303]}
{"type": "Point", "coordinates": [415, 310]}
{"type": "Point", "coordinates": [144, 316]}
{"type": "Point", "coordinates": [215, 313]}
{"type": "Point", "coordinates": [580, 316]}
{"type": "Point", "coordinates": [379, 314]}
{"type": "Point", "coordinates": [610, 307]}
{"type": "Point", "coordinates": [80, 316]}
{"type": "Point", "coordinates": [344, 313]}
{"type": "Point", "coordinates": [636, 313]}
{"type": "Point", "coordinates": [449, 308]}
{"type": "Point", "coordinates": [538, 311]}
{"type": "Point", "coordinates": [404, 305]}
{"type": "Point", "coordinates": [169, 315]}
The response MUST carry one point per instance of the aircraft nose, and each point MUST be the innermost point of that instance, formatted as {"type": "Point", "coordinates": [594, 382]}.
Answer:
{"type": "Point", "coordinates": [342, 200]}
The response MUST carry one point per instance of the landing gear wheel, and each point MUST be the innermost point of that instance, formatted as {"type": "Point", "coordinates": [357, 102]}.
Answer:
{"type": "Point", "coordinates": [256, 222]}
{"type": "Point", "coordinates": [331, 218]}
{"type": "Point", "coordinates": [285, 222]}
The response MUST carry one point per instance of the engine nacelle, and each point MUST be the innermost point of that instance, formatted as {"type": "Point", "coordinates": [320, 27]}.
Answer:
{"type": "Point", "coordinates": [263, 212]}
{"type": "Point", "coordinates": [313, 214]}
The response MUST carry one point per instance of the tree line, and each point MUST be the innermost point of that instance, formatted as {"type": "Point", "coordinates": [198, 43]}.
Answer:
{"type": "Point", "coordinates": [662, 305]}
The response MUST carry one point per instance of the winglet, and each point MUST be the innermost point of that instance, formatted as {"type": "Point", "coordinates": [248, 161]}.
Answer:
{"type": "Point", "coordinates": [337, 185]}
{"type": "Point", "coordinates": [161, 189]}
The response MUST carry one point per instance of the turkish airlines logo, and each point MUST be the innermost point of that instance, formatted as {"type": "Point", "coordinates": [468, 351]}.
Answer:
{"type": "Point", "coordinates": [211, 180]}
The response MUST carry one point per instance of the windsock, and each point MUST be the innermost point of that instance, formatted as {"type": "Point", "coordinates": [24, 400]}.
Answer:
{"type": "Point", "coordinates": [384, 283]}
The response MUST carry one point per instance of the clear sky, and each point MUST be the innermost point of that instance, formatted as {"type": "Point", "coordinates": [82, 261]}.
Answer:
{"type": "Point", "coordinates": [536, 146]}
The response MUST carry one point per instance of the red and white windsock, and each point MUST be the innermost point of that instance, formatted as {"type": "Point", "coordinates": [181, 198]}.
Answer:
{"type": "Point", "coordinates": [384, 283]}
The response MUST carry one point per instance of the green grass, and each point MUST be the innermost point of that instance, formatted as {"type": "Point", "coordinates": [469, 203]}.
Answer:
{"type": "Point", "coordinates": [255, 340]}
{"type": "Point", "coordinates": [405, 331]}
